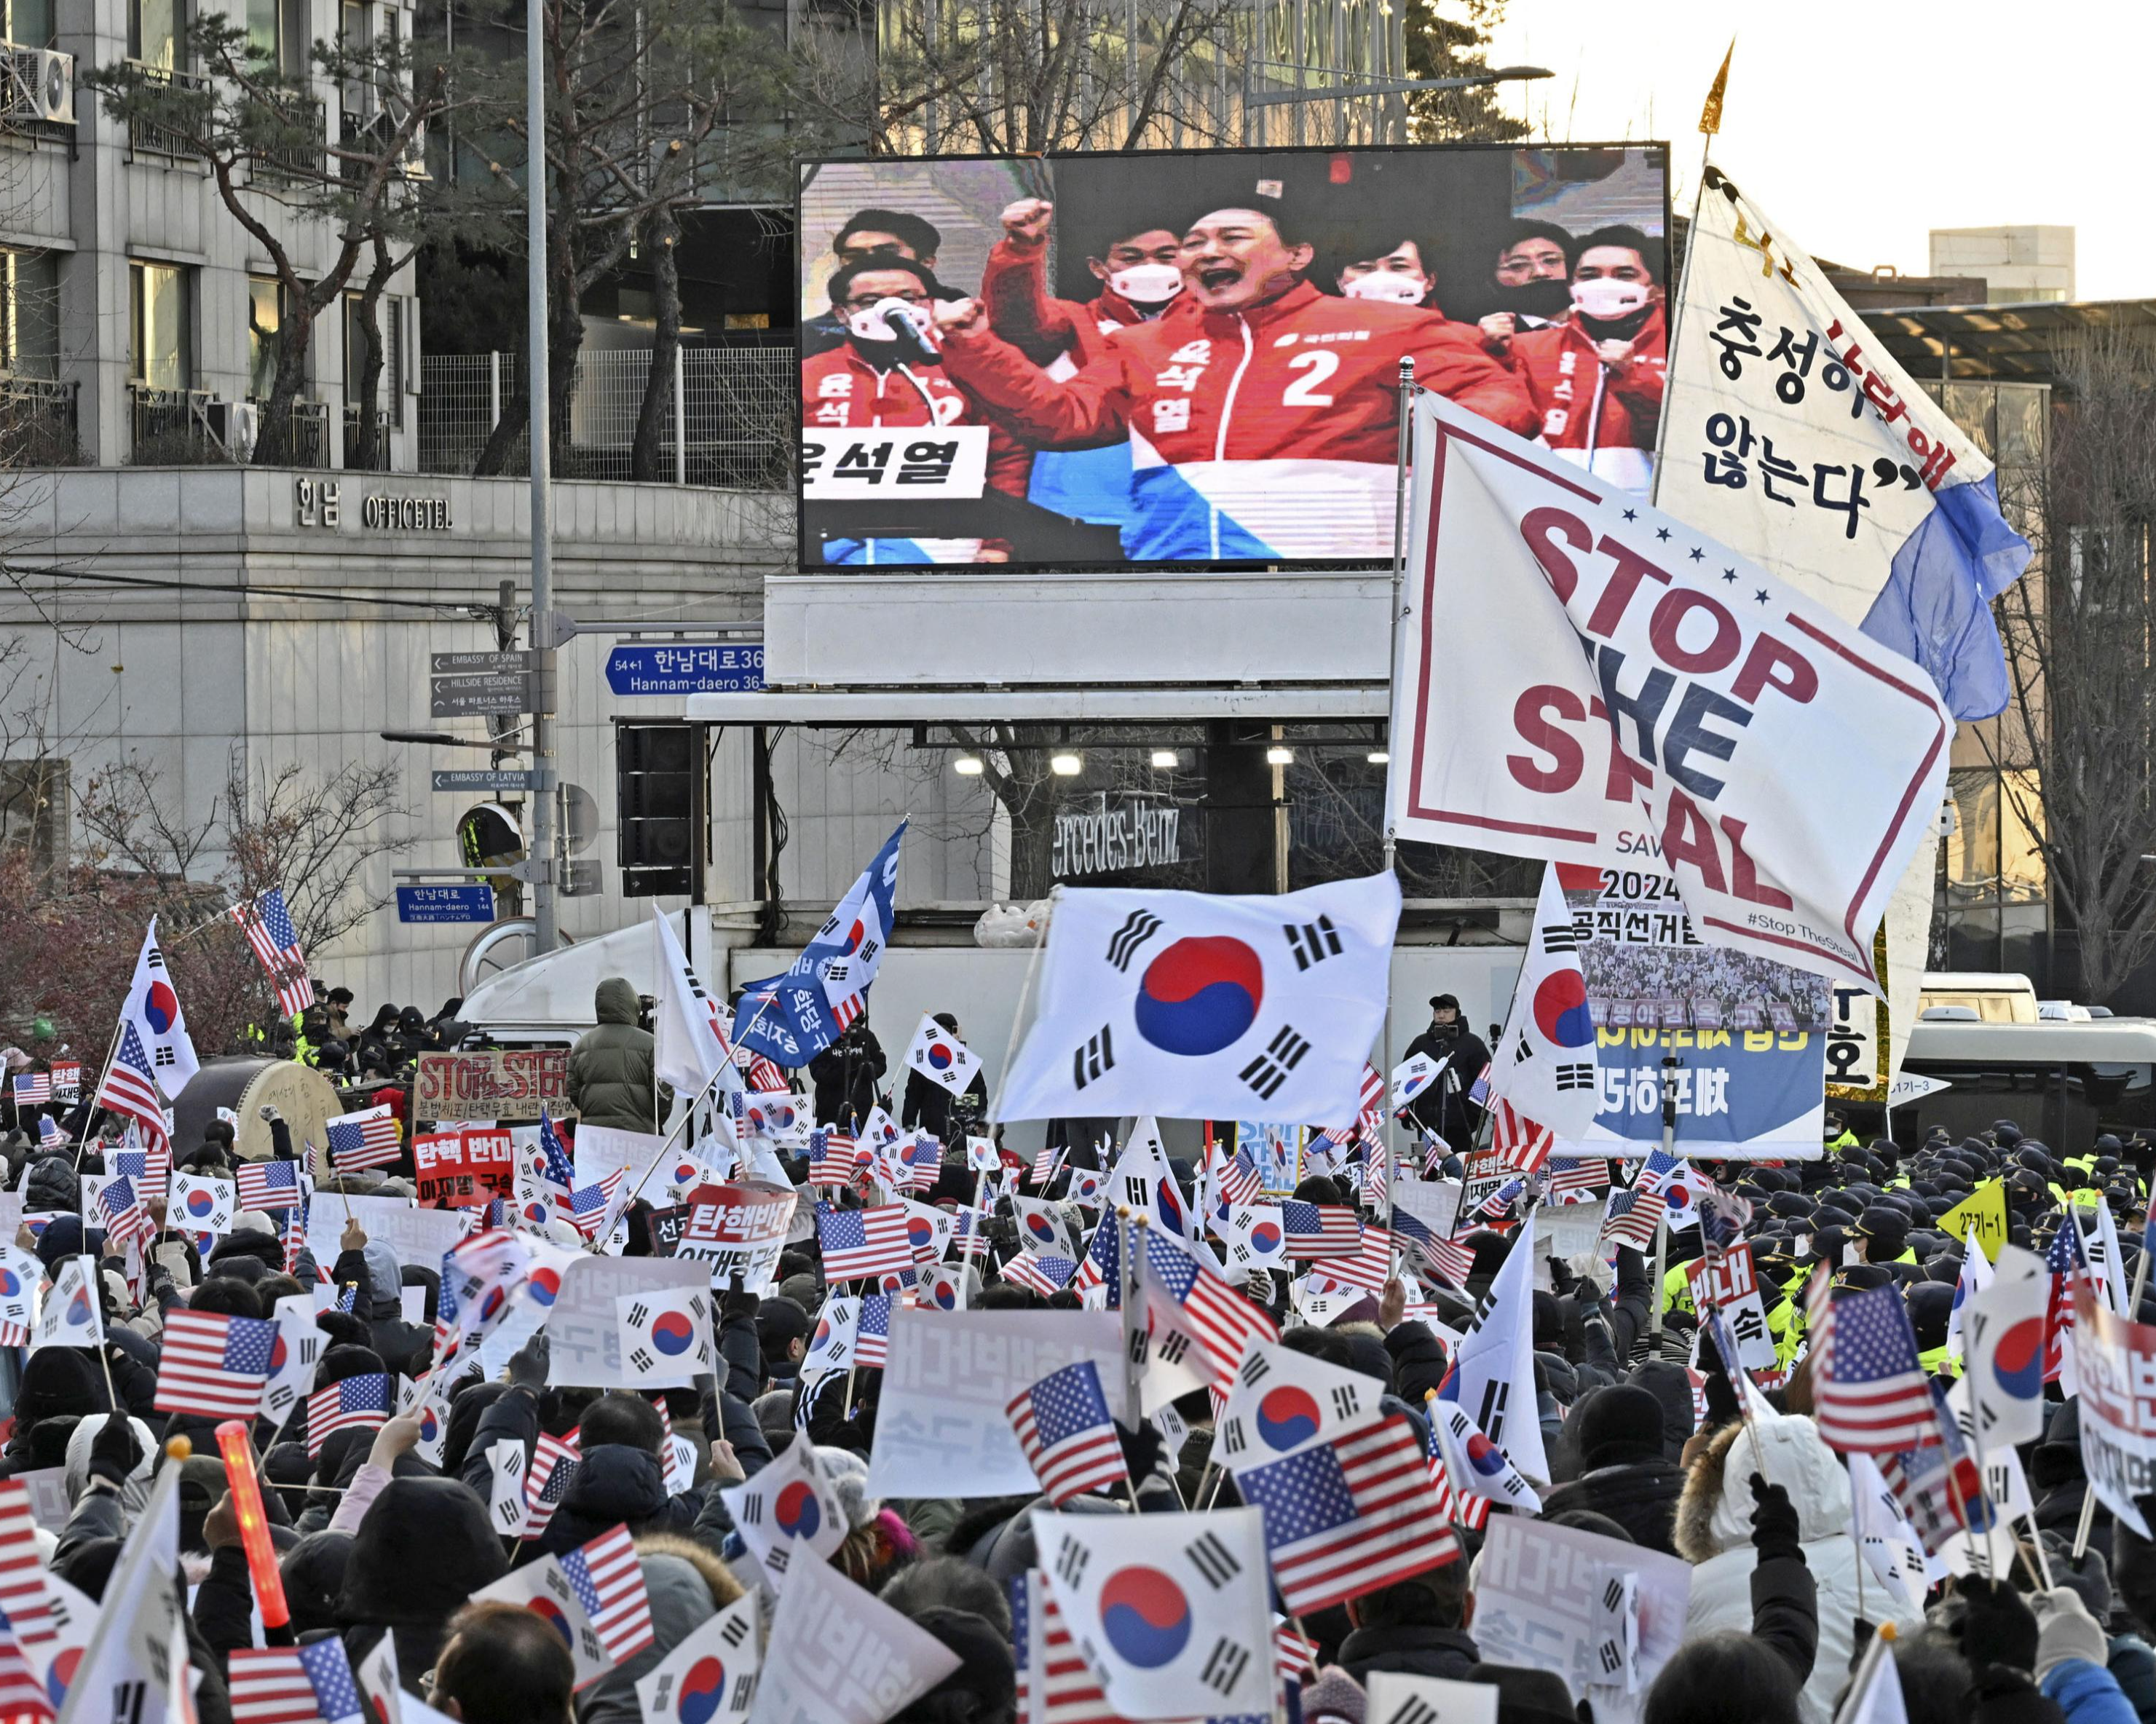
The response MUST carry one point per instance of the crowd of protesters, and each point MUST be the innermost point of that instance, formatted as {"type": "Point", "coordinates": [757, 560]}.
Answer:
{"type": "Point", "coordinates": [375, 1543]}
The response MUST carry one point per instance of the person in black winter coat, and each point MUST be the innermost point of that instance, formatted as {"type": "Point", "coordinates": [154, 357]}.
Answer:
{"type": "Point", "coordinates": [929, 1105]}
{"type": "Point", "coordinates": [1443, 1107]}
{"type": "Point", "coordinates": [1416, 1626]}
{"type": "Point", "coordinates": [425, 1546]}
{"type": "Point", "coordinates": [1624, 1471]}
{"type": "Point", "coordinates": [846, 1075]}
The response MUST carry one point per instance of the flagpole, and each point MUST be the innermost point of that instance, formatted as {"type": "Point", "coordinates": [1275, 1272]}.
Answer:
{"type": "Point", "coordinates": [1387, 1125]}
{"type": "Point", "coordinates": [2088, 1491]}
{"type": "Point", "coordinates": [1710, 124]}
{"type": "Point", "coordinates": [1017, 1011]}
{"type": "Point", "coordinates": [1662, 1220]}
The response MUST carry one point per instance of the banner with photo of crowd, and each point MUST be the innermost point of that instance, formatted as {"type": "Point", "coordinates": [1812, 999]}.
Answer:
{"type": "Point", "coordinates": [1093, 361]}
{"type": "Point", "coordinates": [1750, 1034]}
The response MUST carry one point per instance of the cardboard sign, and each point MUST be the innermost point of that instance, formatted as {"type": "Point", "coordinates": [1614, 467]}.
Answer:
{"type": "Point", "coordinates": [584, 1328]}
{"type": "Point", "coordinates": [738, 1230]}
{"type": "Point", "coordinates": [463, 1169]}
{"type": "Point", "coordinates": [600, 1149]}
{"type": "Point", "coordinates": [1537, 1602]}
{"type": "Point", "coordinates": [418, 1236]}
{"type": "Point", "coordinates": [1733, 1284]}
{"type": "Point", "coordinates": [940, 1427]}
{"type": "Point", "coordinates": [493, 1083]}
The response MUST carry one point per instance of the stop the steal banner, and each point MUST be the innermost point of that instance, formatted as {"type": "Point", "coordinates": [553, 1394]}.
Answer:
{"type": "Point", "coordinates": [1585, 680]}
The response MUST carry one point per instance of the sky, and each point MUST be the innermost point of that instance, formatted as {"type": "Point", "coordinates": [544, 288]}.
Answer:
{"type": "Point", "coordinates": [1861, 127]}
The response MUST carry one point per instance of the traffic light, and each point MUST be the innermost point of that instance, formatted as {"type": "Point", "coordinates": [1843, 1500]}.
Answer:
{"type": "Point", "coordinates": [659, 808]}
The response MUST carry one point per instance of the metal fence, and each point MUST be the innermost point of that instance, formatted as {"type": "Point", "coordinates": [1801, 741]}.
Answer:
{"type": "Point", "coordinates": [727, 416]}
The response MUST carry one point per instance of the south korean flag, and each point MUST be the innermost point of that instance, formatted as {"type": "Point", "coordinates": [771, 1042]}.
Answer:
{"type": "Point", "coordinates": [1195, 1006]}
{"type": "Point", "coordinates": [941, 1057]}
{"type": "Point", "coordinates": [666, 1336]}
{"type": "Point", "coordinates": [1255, 1237]}
{"type": "Point", "coordinates": [1545, 1065]}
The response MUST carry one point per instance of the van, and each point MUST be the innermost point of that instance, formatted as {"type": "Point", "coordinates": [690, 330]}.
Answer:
{"type": "Point", "coordinates": [2003, 996]}
{"type": "Point", "coordinates": [2061, 1082]}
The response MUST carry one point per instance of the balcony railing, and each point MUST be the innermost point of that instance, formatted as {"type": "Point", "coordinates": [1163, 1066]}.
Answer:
{"type": "Point", "coordinates": [380, 464]}
{"type": "Point", "coordinates": [150, 136]}
{"type": "Point", "coordinates": [171, 427]}
{"type": "Point", "coordinates": [38, 423]}
{"type": "Point", "coordinates": [187, 428]}
{"type": "Point", "coordinates": [370, 133]}
{"type": "Point", "coordinates": [305, 155]}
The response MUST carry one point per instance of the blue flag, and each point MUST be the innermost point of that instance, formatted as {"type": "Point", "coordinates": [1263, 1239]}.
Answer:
{"type": "Point", "coordinates": [794, 1016]}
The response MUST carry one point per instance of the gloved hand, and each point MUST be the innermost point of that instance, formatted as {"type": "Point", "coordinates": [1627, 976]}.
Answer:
{"type": "Point", "coordinates": [734, 1302]}
{"type": "Point", "coordinates": [1775, 1525]}
{"type": "Point", "coordinates": [116, 1451]}
{"type": "Point", "coordinates": [2064, 1629]}
{"type": "Point", "coordinates": [1142, 1449]}
{"type": "Point", "coordinates": [1997, 1626]}
{"type": "Point", "coordinates": [528, 1364]}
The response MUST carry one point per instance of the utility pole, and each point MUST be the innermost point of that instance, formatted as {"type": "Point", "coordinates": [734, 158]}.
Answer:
{"type": "Point", "coordinates": [544, 930]}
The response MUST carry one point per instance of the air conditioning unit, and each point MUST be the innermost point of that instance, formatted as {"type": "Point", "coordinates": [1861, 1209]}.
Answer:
{"type": "Point", "coordinates": [55, 85]}
{"type": "Point", "coordinates": [235, 425]}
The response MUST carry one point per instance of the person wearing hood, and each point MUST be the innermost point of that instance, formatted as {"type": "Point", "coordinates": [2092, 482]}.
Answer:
{"type": "Point", "coordinates": [424, 1549]}
{"type": "Point", "coordinates": [1713, 1532]}
{"type": "Point", "coordinates": [612, 1082]}
{"type": "Point", "coordinates": [687, 1585]}
{"type": "Point", "coordinates": [1626, 1472]}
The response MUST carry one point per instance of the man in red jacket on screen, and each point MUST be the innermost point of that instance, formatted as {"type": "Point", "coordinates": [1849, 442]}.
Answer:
{"type": "Point", "coordinates": [1263, 420]}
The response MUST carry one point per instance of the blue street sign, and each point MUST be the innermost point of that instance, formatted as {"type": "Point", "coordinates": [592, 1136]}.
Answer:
{"type": "Point", "coordinates": [654, 667]}
{"type": "Point", "coordinates": [445, 904]}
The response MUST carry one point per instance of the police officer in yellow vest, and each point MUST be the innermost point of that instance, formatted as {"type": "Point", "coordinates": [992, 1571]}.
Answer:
{"type": "Point", "coordinates": [1931, 1303]}
{"type": "Point", "coordinates": [1882, 1235]}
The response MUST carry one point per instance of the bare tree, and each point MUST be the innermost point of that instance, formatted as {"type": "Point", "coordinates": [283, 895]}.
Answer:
{"type": "Point", "coordinates": [2073, 749]}
{"type": "Point", "coordinates": [263, 135]}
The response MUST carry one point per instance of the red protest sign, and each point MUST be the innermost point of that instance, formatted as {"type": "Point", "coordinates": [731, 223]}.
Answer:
{"type": "Point", "coordinates": [461, 1170]}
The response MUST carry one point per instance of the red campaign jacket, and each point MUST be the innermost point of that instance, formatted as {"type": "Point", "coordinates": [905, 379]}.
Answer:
{"type": "Point", "coordinates": [841, 390]}
{"type": "Point", "coordinates": [1014, 289]}
{"type": "Point", "coordinates": [1306, 376]}
{"type": "Point", "coordinates": [1574, 390]}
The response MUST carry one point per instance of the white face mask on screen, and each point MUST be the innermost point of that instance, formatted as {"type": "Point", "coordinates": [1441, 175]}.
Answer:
{"type": "Point", "coordinates": [885, 320]}
{"type": "Point", "coordinates": [1147, 284]}
{"type": "Point", "coordinates": [1389, 287]}
{"type": "Point", "coordinates": [1606, 300]}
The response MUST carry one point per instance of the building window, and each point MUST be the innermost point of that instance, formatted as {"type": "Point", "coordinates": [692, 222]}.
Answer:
{"type": "Point", "coordinates": [156, 32]}
{"type": "Point", "coordinates": [266, 317]}
{"type": "Point", "coordinates": [161, 350]}
{"type": "Point", "coordinates": [29, 314]}
{"type": "Point", "coordinates": [30, 22]}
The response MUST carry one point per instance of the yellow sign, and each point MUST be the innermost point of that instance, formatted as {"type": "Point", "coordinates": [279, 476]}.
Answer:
{"type": "Point", "coordinates": [1983, 1209]}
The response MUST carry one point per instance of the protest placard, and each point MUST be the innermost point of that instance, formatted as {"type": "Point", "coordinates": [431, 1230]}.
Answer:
{"type": "Point", "coordinates": [492, 1084]}
{"type": "Point", "coordinates": [463, 1169]}
{"type": "Point", "coordinates": [600, 1149]}
{"type": "Point", "coordinates": [940, 1426]}
{"type": "Point", "coordinates": [1537, 1603]}
{"type": "Point", "coordinates": [738, 1230]}
{"type": "Point", "coordinates": [584, 1329]}
{"type": "Point", "coordinates": [418, 1236]}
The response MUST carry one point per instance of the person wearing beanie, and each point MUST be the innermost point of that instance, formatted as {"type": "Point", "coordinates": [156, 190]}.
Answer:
{"type": "Point", "coordinates": [984, 1690]}
{"type": "Point", "coordinates": [1624, 1469]}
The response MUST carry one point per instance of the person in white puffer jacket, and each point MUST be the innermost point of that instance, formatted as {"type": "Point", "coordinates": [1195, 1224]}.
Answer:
{"type": "Point", "coordinates": [1713, 1532]}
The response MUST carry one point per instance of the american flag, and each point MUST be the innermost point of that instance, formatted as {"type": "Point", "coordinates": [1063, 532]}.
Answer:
{"type": "Point", "coordinates": [131, 1090]}
{"type": "Point", "coordinates": [759, 1072]}
{"type": "Point", "coordinates": [833, 1155]}
{"type": "Point", "coordinates": [267, 926]}
{"type": "Point", "coordinates": [1349, 1516]}
{"type": "Point", "coordinates": [1046, 1160]}
{"type": "Point", "coordinates": [214, 1365]}
{"type": "Point", "coordinates": [2066, 1258]}
{"type": "Point", "coordinates": [1435, 1150]}
{"type": "Point", "coordinates": [351, 1403]}
{"type": "Point", "coordinates": [1635, 1214]}
{"type": "Point", "coordinates": [1370, 1121]}
{"type": "Point", "coordinates": [1869, 1393]}
{"type": "Point", "coordinates": [969, 1233]}
{"type": "Point", "coordinates": [1926, 1482]}
{"type": "Point", "coordinates": [1478, 1092]}
{"type": "Point", "coordinates": [1041, 1274]}
{"type": "Point", "coordinates": [1221, 1318]}
{"type": "Point", "coordinates": [547, 1481]}
{"type": "Point", "coordinates": [1575, 1178]}
{"type": "Point", "coordinates": [589, 1205]}
{"type": "Point", "coordinates": [609, 1584]}
{"type": "Point", "coordinates": [872, 1330]}
{"type": "Point", "coordinates": [863, 1242]}
{"type": "Point", "coordinates": [1062, 1422]}
{"type": "Point", "coordinates": [24, 1699]}
{"type": "Point", "coordinates": [33, 1089]}
{"type": "Point", "coordinates": [1518, 1141]}
{"type": "Point", "coordinates": [24, 1597]}
{"type": "Point", "coordinates": [366, 1139]}
{"type": "Point", "coordinates": [1463, 1508]}
{"type": "Point", "coordinates": [1320, 1229]}
{"type": "Point", "coordinates": [125, 1220]}
{"type": "Point", "coordinates": [1237, 1179]}
{"type": "Point", "coordinates": [293, 1684]}
{"type": "Point", "coordinates": [1449, 1260]}
{"type": "Point", "coordinates": [1103, 1265]}
{"type": "Point", "coordinates": [1377, 1175]}
{"type": "Point", "coordinates": [49, 1135]}
{"type": "Point", "coordinates": [1055, 1684]}
{"type": "Point", "coordinates": [268, 1185]}
{"type": "Point", "coordinates": [150, 1169]}
{"type": "Point", "coordinates": [1499, 1204]}
{"type": "Point", "coordinates": [295, 1238]}
{"type": "Point", "coordinates": [1367, 1271]}
{"type": "Point", "coordinates": [921, 1160]}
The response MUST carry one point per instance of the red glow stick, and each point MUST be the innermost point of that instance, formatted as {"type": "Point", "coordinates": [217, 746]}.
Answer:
{"type": "Point", "coordinates": [238, 1453]}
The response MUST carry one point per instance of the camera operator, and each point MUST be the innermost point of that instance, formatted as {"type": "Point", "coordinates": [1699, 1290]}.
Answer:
{"type": "Point", "coordinates": [846, 1074]}
{"type": "Point", "coordinates": [1443, 1107]}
